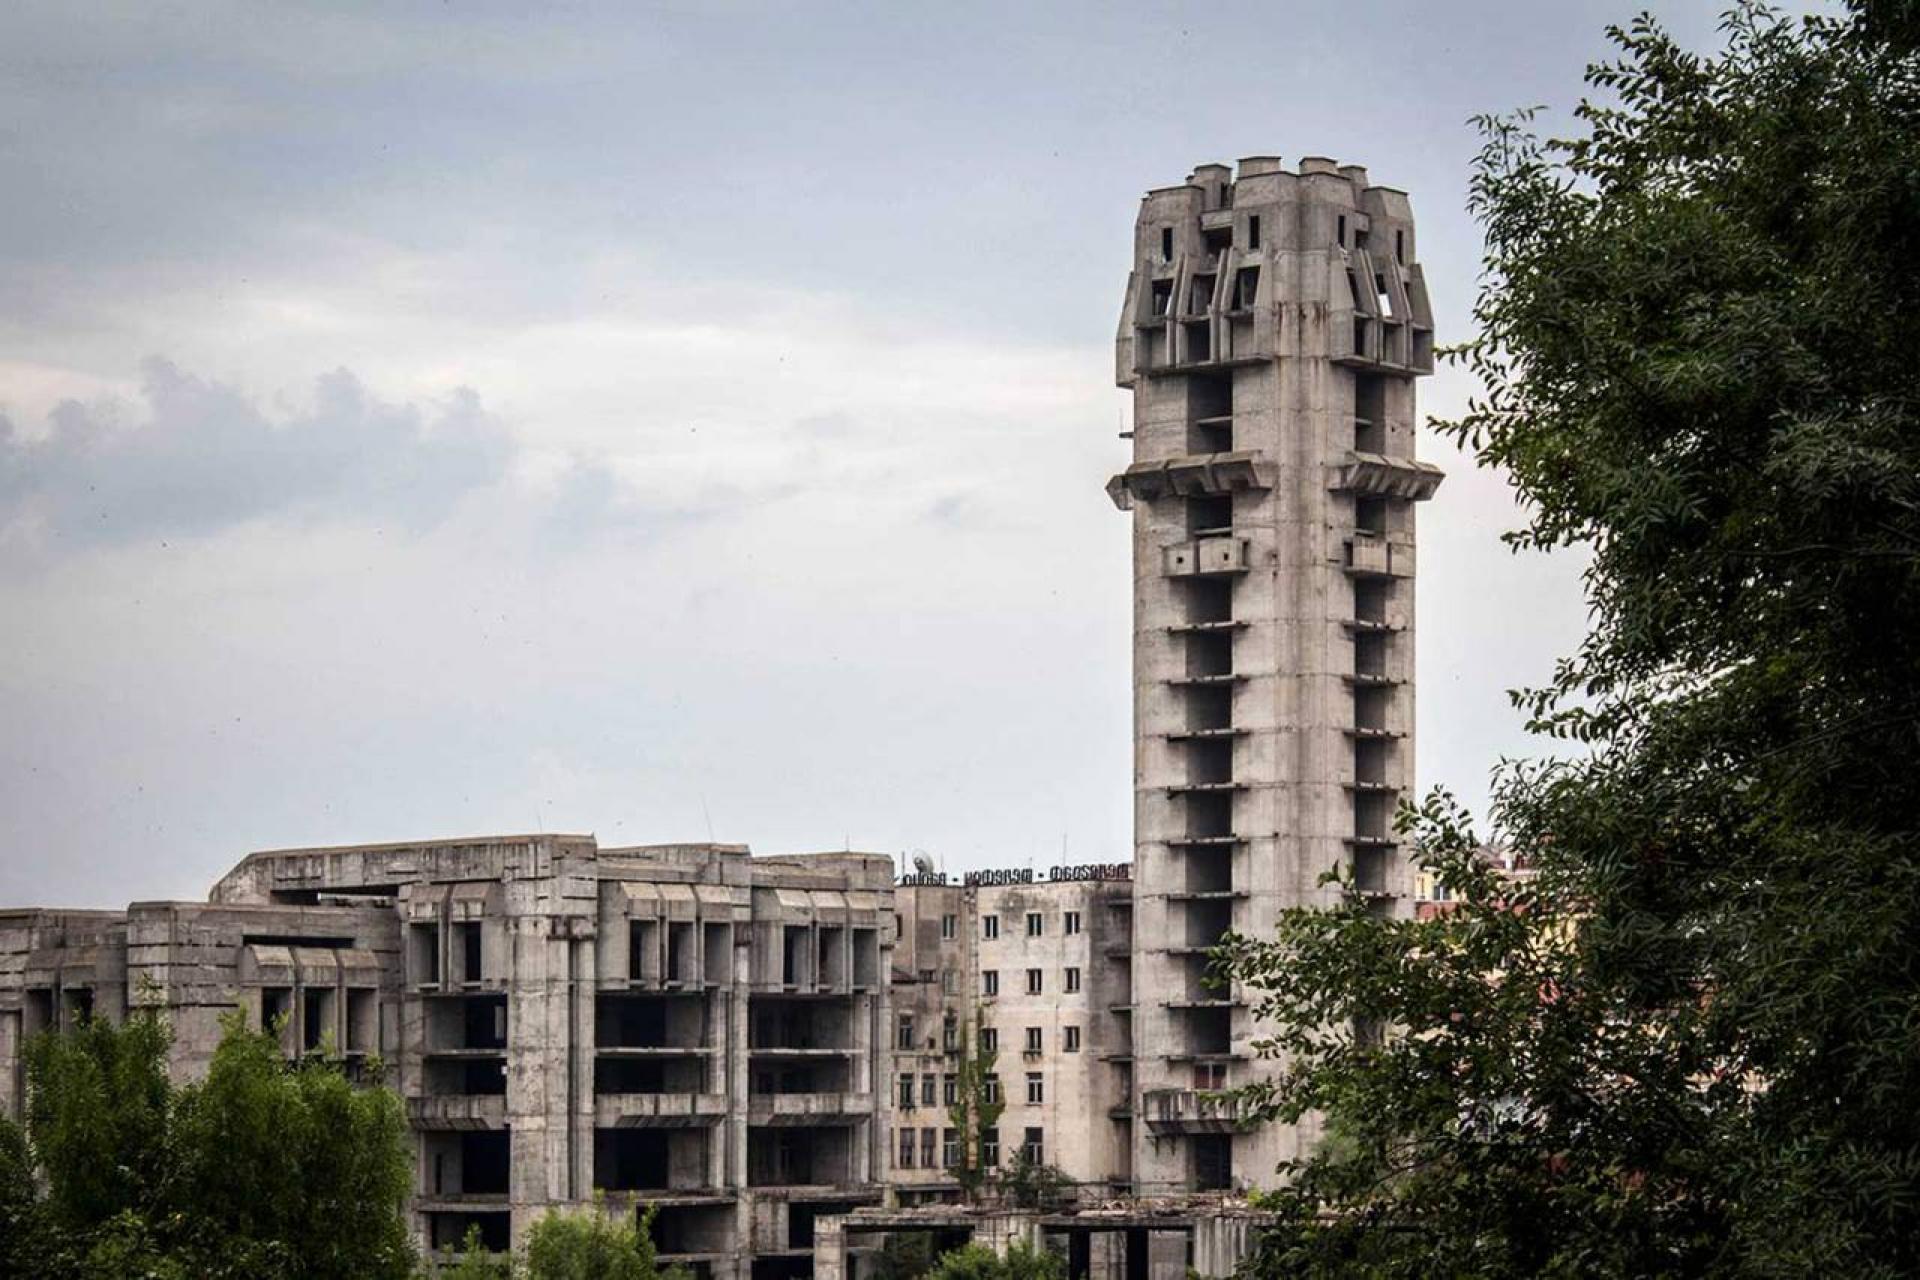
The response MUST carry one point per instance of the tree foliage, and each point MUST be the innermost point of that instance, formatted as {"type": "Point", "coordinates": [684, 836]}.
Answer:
{"type": "Point", "coordinates": [1683, 1046]}
{"type": "Point", "coordinates": [1022, 1261]}
{"type": "Point", "coordinates": [975, 1112]}
{"type": "Point", "coordinates": [264, 1169]}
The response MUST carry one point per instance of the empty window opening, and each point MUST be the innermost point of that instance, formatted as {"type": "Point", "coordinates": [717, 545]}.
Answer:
{"type": "Point", "coordinates": [1033, 1043]}
{"type": "Point", "coordinates": [1073, 978]}
{"type": "Point", "coordinates": [990, 1148]}
{"type": "Point", "coordinates": [1340, 231]}
{"type": "Point", "coordinates": [1372, 815]}
{"type": "Point", "coordinates": [1070, 1040]}
{"type": "Point", "coordinates": [1246, 288]}
{"type": "Point", "coordinates": [483, 1022]}
{"type": "Point", "coordinates": [1036, 981]}
{"type": "Point", "coordinates": [647, 1159]}
{"type": "Point", "coordinates": [1162, 297]}
{"type": "Point", "coordinates": [1210, 761]}
{"type": "Point", "coordinates": [1209, 599]}
{"type": "Point", "coordinates": [1399, 246]}
{"type": "Point", "coordinates": [1353, 287]}
{"type": "Point", "coordinates": [990, 1042]}
{"type": "Point", "coordinates": [1359, 237]}
{"type": "Point", "coordinates": [1370, 597]}
{"type": "Point", "coordinates": [449, 1231]}
{"type": "Point", "coordinates": [1360, 345]}
{"type": "Point", "coordinates": [1036, 924]}
{"type": "Point", "coordinates": [680, 954]}
{"type": "Point", "coordinates": [466, 944]}
{"type": "Point", "coordinates": [793, 956]}
{"type": "Point", "coordinates": [363, 1020]}
{"type": "Point", "coordinates": [1033, 1147]}
{"type": "Point", "coordinates": [1200, 295]}
{"type": "Point", "coordinates": [1166, 244]}
{"type": "Point", "coordinates": [1210, 873]}
{"type": "Point", "coordinates": [1253, 231]}
{"type": "Point", "coordinates": [1370, 708]}
{"type": "Point", "coordinates": [989, 927]}
{"type": "Point", "coordinates": [1209, 814]}
{"type": "Point", "coordinates": [1384, 297]}
{"type": "Point", "coordinates": [276, 1009]}
{"type": "Point", "coordinates": [316, 1017]}
{"type": "Point", "coordinates": [1210, 653]}
{"type": "Point", "coordinates": [1370, 516]}
{"type": "Point", "coordinates": [1370, 654]}
{"type": "Point", "coordinates": [1210, 708]}
{"type": "Point", "coordinates": [423, 954]}
{"type": "Point", "coordinates": [1212, 1029]}
{"type": "Point", "coordinates": [1370, 756]}
{"type": "Point", "coordinates": [866, 958]}
{"type": "Point", "coordinates": [1207, 922]}
{"type": "Point", "coordinates": [1370, 413]}
{"type": "Point", "coordinates": [79, 1005]}
{"type": "Point", "coordinates": [989, 982]}
{"type": "Point", "coordinates": [1370, 869]}
{"type": "Point", "coordinates": [1199, 339]}
{"type": "Point", "coordinates": [1212, 1161]}
{"type": "Point", "coordinates": [717, 953]}
{"type": "Point", "coordinates": [1036, 1088]}
{"type": "Point", "coordinates": [643, 959]}
{"type": "Point", "coordinates": [37, 1013]}
{"type": "Point", "coordinates": [1070, 922]}
{"type": "Point", "coordinates": [949, 926]}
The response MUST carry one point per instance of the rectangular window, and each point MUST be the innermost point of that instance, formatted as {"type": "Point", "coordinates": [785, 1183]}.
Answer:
{"type": "Point", "coordinates": [1073, 979]}
{"type": "Point", "coordinates": [906, 1149]}
{"type": "Point", "coordinates": [1072, 1043]}
{"type": "Point", "coordinates": [929, 1148]}
{"type": "Point", "coordinates": [1340, 231]}
{"type": "Point", "coordinates": [1253, 231]}
{"type": "Point", "coordinates": [1034, 982]}
{"type": "Point", "coordinates": [1209, 1075]}
{"type": "Point", "coordinates": [1033, 1040]}
{"type": "Point", "coordinates": [992, 1089]}
{"type": "Point", "coordinates": [1033, 924]}
{"type": "Point", "coordinates": [990, 1148]}
{"type": "Point", "coordinates": [989, 982]}
{"type": "Point", "coordinates": [1070, 923]}
{"type": "Point", "coordinates": [906, 1032]}
{"type": "Point", "coordinates": [1399, 246]}
{"type": "Point", "coordinates": [950, 1090]}
{"type": "Point", "coordinates": [1036, 1088]}
{"type": "Point", "coordinates": [906, 1092]}
{"type": "Point", "coordinates": [950, 981]}
{"type": "Point", "coordinates": [1035, 1147]}
{"type": "Point", "coordinates": [989, 1040]}
{"type": "Point", "coordinates": [1166, 244]}
{"type": "Point", "coordinates": [929, 1089]}
{"type": "Point", "coordinates": [950, 1036]}
{"type": "Point", "coordinates": [989, 927]}
{"type": "Point", "coordinates": [949, 926]}
{"type": "Point", "coordinates": [949, 1148]}
{"type": "Point", "coordinates": [899, 925]}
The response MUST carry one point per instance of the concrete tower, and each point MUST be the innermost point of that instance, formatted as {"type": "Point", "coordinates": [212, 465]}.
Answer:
{"type": "Point", "coordinates": [1274, 324]}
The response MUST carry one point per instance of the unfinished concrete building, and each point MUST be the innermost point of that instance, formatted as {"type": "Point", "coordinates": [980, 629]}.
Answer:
{"type": "Point", "coordinates": [1037, 967]}
{"type": "Point", "coordinates": [683, 1026]}
{"type": "Point", "coordinates": [1273, 327]}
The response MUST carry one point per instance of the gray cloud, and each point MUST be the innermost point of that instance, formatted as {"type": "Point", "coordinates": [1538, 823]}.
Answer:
{"type": "Point", "coordinates": [198, 457]}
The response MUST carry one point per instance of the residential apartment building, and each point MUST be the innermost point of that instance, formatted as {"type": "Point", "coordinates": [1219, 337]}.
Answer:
{"type": "Point", "coordinates": [1037, 967]}
{"type": "Point", "coordinates": [682, 1026]}
{"type": "Point", "coordinates": [1273, 327]}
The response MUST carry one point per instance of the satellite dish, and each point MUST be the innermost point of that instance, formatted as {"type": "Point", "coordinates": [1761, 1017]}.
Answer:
{"type": "Point", "coordinates": [923, 864]}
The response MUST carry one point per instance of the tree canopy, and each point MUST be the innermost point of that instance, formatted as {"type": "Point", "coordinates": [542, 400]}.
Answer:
{"type": "Point", "coordinates": [1683, 1045]}
{"type": "Point", "coordinates": [263, 1169]}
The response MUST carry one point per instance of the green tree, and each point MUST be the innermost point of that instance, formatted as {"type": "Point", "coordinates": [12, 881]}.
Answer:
{"type": "Point", "coordinates": [292, 1166]}
{"type": "Point", "coordinates": [588, 1245]}
{"type": "Point", "coordinates": [1677, 1049]}
{"type": "Point", "coordinates": [977, 1262]}
{"type": "Point", "coordinates": [976, 1110]}
{"type": "Point", "coordinates": [262, 1170]}
{"type": "Point", "coordinates": [1031, 1185]}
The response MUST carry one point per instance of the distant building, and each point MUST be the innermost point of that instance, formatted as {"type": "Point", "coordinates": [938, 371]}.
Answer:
{"type": "Point", "coordinates": [1042, 970]}
{"type": "Point", "coordinates": [682, 1026]}
{"type": "Point", "coordinates": [1274, 324]}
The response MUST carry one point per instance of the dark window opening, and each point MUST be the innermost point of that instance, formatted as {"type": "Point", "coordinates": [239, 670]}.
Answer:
{"type": "Point", "coordinates": [1370, 757]}
{"type": "Point", "coordinates": [1162, 297]}
{"type": "Point", "coordinates": [79, 1001]}
{"type": "Point", "coordinates": [448, 1231]}
{"type": "Point", "coordinates": [1209, 599]}
{"type": "Point", "coordinates": [1340, 231]}
{"type": "Point", "coordinates": [423, 946]}
{"type": "Point", "coordinates": [1246, 288]}
{"type": "Point", "coordinates": [1210, 708]}
{"type": "Point", "coordinates": [1369, 413]}
{"type": "Point", "coordinates": [485, 1158]}
{"type": "Point", "coordinates": [1253, 231]}
{"type": "Point", "coordinates": [1210, 760]}
{"type": "Point", "coordinates": [1199, 341]}
{"type": "Point", "coordinates": [316, 1021]}
{"type": "Point", "coordinates": [484, 1022]}
{"type": "Point", "coordinates": [1215, 512]}
{"type": "Point", "coordinates": [1399, 246]}
{"type": "Point", "coordinates": [1370, 515]}
{"type": "Point", "coordinates": [1212, 1161]}
{"type": "Point", "coordinates": [1370, 654]}
{"type": "Point", "coordinates": [1370, 598]}
{"type": "Point", "coordinates": [466, 937]}
{"type": "Point", "coordinates": [1209, 653]}
{"type": "Point", "coordinates": [1209, 813]}
{"type": "Point", "coordinates": [276, 1006]}
{"type": "Point", "coordinates": [1370, 708]}
{"type": "Point", "coordinates": [1200, 295]}
{"type": "Point", "coordinates": [1166, 244]}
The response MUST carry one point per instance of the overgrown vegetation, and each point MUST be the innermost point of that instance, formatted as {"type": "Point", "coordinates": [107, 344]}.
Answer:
{"type": "Point", "coordinates": [975, 1112]}
{"type": "Point", "coordinates": [1685, 1046]}
{"type": "Point", "coordinates": [977, 1262]}
{"type": "Point", "coordinates": [264, 1169]}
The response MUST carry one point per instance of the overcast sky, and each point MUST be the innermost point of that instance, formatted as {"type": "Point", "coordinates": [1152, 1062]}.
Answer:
{"type": "Point", "coordinates": [668, 422]}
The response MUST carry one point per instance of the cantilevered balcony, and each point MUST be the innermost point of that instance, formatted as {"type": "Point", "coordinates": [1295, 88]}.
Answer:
{"type": "Point", "coordinates": [1191, 1111]}
{"type": "Point", "coordinates": [1377, 475]}
{"type": "Point", "coordinates": [1237, 471]}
